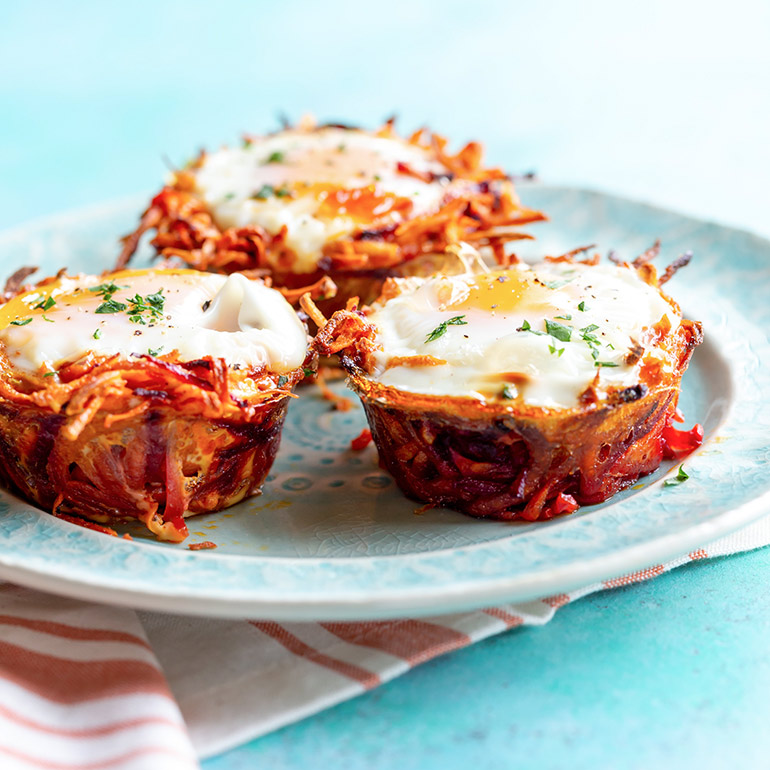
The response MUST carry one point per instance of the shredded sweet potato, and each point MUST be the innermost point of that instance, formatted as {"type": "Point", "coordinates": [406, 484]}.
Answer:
{"type": "Point", "coordinates": [480, 206]}
{"type": "Point", "coordinates": [142, 438]}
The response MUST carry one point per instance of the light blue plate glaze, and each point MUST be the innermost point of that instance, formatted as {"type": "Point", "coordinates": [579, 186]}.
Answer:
{"type": "Point", "coordinates": [332, 537]}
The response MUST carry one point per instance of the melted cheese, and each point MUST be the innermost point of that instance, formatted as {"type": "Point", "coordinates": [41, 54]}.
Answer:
{"type": "Point", "coordinates": [202, 314]}
{"type": "Point", "coordinates": [321, 185]}
{"type": "Point", "coordinates": [496, 337]}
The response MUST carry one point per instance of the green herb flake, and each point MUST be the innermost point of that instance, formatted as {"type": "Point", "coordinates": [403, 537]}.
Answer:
{"type": "Point", "coordinates": [377, 178]}
{"type": "Point", "coordinates": [264, 192]}
{"type": "Point", "coordinates": [282, 192]}
{"type": "Point", "coordinates": [559, 331]}
{"type": "Point", "coordinates": [22, 322]}
{"type": "Point", "coordinates": [111, 306]}
{"type": "Point", "coordinates": [509, 392]}
{"type": "Point", "coordinates": [141, 308]}
{"type": "Point", "coordinates": [229, 196]}
{"type": "Point", "coordinates": [341, 148]}
{"type": "Point", "coordinates": [552, 349]}
{"type": "Point", "coordinates": [567, 317]}
{"type": "Point", "coordinates": [605, 363]}
{"type": "Point", "coordinates": [106, 288]}
{"type": "Point", "coordinates": [45, 318]}
{"type": "Point", "coordinates": [45, 304]}
{"type": "Point", "coordinates": [440, 330]}
{"type": "Point", "coordinates": [582, 306]}
{"type": "Point", "coordinates": [154, 351]}
{"type": "Point", "coordinates": [680, 478]}
{"type": "Point", "coordinates": [275, 157]}
{"type": "Point", "coordinates": [555, 284]}
{"type": "Point", "coordinates": [97, 334]}
{"type": "Point", "coordinates": [588, 336]}
{"type": "Point", "coordinates": [308, 372]}
{"type": "Point", "coordinates": [525, 327]}
{"type": "Point", "coordinates": [282, 380]}
{"type": "Point", "coordinates": [49, 374]}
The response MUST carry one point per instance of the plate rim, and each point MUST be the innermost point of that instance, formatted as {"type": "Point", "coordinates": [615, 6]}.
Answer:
{"type": "Point", "coordinates": [393, 602]}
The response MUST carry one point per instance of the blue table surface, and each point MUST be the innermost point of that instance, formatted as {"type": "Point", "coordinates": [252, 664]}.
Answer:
{"type": "Point", "coordinates": [664, 101]}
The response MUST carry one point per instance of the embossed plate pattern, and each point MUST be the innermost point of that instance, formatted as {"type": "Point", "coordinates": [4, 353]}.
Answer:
{"type": "Point", "coordinates": [332, 538]}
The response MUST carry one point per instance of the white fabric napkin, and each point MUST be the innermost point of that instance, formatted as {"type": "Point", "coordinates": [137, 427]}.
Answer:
{"type": "Point", "coordinates": [86, 686]}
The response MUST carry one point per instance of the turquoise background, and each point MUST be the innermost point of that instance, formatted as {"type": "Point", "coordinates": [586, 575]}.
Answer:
{"type": "Point", "coordinates": [666, 101]}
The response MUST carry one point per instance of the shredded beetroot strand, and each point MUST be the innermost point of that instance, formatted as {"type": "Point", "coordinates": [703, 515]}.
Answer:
{"type": "Point", "coordinates": [362, 440]}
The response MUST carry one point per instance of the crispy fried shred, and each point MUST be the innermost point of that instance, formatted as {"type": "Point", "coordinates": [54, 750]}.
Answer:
{"type": "Point", "coordinates": [486, 212]}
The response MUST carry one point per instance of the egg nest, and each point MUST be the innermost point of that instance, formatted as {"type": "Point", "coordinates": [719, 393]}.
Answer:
{"type": "Point", "coordinates": [479, 206]}
{"type": "Point", "coordinates": [147, 438]}
{"type": "Point", "coordinates": [507, 459]}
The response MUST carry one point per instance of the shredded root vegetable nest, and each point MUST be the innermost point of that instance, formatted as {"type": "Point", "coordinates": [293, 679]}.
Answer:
{"type": "Point", "coordinates": [149, 438]}
{"type": "Point", "coordinates": [480, 207]}
{"type": "Point", "coordinates": [513, 460]}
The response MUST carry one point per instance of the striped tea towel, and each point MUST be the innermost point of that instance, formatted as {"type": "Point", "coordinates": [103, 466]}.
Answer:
{"type": "Point", "coordinates": [86, 687]}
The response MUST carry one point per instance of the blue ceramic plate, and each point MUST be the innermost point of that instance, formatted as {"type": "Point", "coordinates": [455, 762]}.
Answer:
{"type": "Point", "coordinates": [332, 538]}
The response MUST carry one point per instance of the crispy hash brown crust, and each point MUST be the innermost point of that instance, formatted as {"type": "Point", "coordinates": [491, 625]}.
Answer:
{"type": "Point", "coordinates": [514, 460]}
{"type": "Point", "coordinates": [483, 214]}
{"type": "Point", "coordinates": [145, 438]}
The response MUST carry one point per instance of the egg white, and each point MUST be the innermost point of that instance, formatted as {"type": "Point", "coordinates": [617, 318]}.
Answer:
{"type": "Point", "coordinates": [491, 337]}
{"type": "Point", "coordinates": [230, 179]}
{"type": "Point", "coordinates": [203, 314]}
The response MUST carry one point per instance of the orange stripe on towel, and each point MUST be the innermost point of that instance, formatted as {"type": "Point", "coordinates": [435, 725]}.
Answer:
{"type": "Point", "coordinates": [68, 681]}
{"type": "Point", "coordinates": [511, 621]}
{"type": "Point", "coordinates": [297, 647]}
{"type": "Point", "coordinates": [414, 641]}
{"type": "Point", "coordinates": [634, 577]}
{"type": "Point", "coordinates": [73, 632]}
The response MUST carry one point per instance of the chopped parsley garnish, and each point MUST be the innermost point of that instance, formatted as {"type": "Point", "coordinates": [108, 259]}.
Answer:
{"type": "Point", "coordinates": [605, 363]}
{"type": "Point", "coordinates": [229, 196]}
{"type": "Point", "coordinates": [680, 478]}
{"type": "Point", "coordinates": [559, 331]}
{"type": "Point", "coordinates": [553, 350]}
{"type": "Point", "coordinates": [555, 284]}
{"type": "Point", "coordinates": [49, 374]}
{"type": "Point", "coordinates": [377, 178]}
{"type": "Point", "coordinates": [440, 330]}
{"type": "Point", "coordinates": [582, 306]}
{"type": "Point", "coordinates": [111, 306]}
{"type": "Point", "coordinates": [308, 372]}
{"type": "Point", "coordinates": [50, 320]}
{"type": "Point", "coordinates": [143, 307]}
{"type": "Point", "coordinates": [154, 351]}
{"type": "Point", "coordinates": [23, 322]}
{"type": "Point", "coordinates": [97, 334]}
{"type": "Point", "coordinates": [282, 380]}
{"type": "Point", "coordinates": [567, 317]}
{"type": "Point", "coordinates": [268, 191]}
{"type": "Point", "coordinates": [45, 304]}
{"type": "Point", "coordinates": [509, 392]}
{"type": "Point", "coordinates": [525, 327]}
{"type": "Point", "coordinates": [275, 157]}
{"type": "Point", "coordinates": [106, 289]}
{"type": "Point", "coordinates": [587, 334]}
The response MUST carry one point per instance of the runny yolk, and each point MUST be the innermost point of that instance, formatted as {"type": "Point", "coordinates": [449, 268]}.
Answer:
{"type": "Point", "coordinates": [361, 203]}
{"type": "Point", "coordinates": [31, 303]}
{"type": "Point", "coordinates": [503, 291]}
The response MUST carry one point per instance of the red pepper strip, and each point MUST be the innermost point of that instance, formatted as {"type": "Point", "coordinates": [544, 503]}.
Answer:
{"type": "Point", "coordinates": [362, 440]}
{"type": "Point", "coordinates": [678, 443]}
{"type": "Point", "coordinates": [562, 505]}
